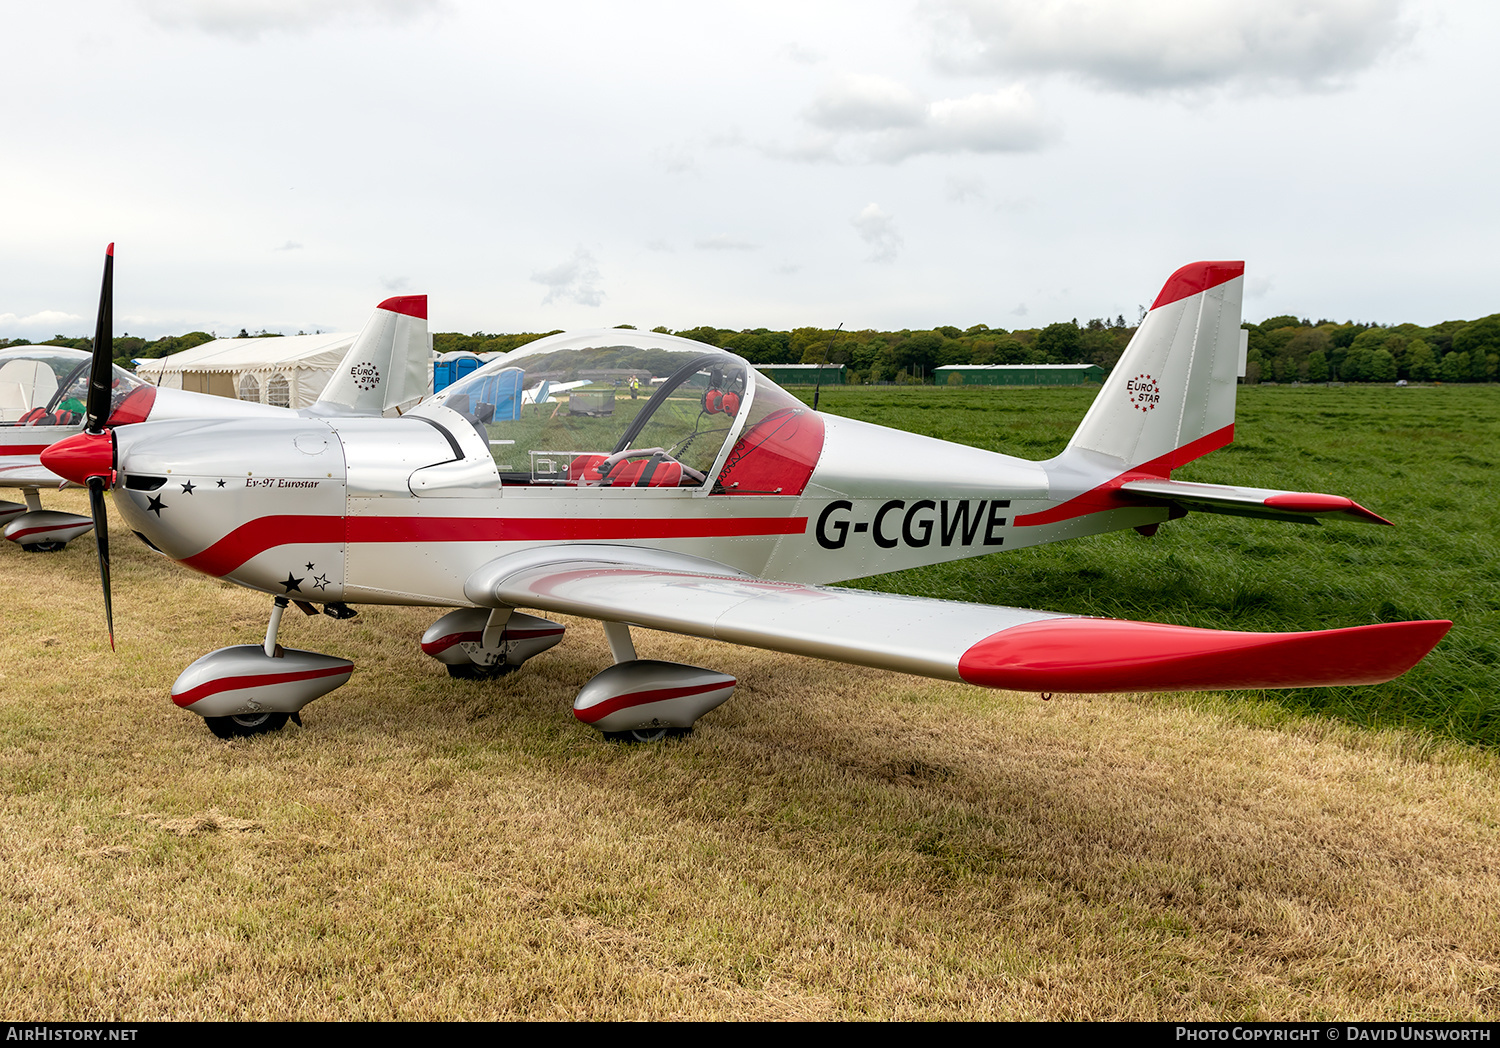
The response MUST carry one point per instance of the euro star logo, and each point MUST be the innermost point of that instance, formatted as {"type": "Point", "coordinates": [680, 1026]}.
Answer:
{"type": "Point", "coordinates": [366, 375]}
{"type": "Point", "coordinates": [1144, 393]}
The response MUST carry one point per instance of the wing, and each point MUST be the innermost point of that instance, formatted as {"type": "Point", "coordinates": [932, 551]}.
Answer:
{"type": "Point", "coordinates": [1302, 507]}
{"type": "Point", "coordinates": [27, 471]}
{"type": "Point", "coordinates": [990, 646]}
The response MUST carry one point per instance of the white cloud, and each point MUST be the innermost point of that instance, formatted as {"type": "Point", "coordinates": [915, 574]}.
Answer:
{"type": "Point", "coordinates": [802, 55]}
{"type": "Point", "coordinates": [54, 320]}
{"type": "Point", "coordinates": [878, 229]}
{"type": "Point", "coordinates": [576, 280]}
{"type": "Point", "coordinates": [866, 103]}
{"type": "Point", "coordinates": [1152, 45]}
{"type": "Point", "coordinates": [864, 118]}
{"type": "Point", "coordinates": [248, 19]}
{"type": "Point", "coordinates": [724, 242]}
{"type": "Point", "coordinates": [290, 245]}
{"type": "Point", "coordinates": [962, 189]}
{"type": "Point", "coordinates": [395, 283]}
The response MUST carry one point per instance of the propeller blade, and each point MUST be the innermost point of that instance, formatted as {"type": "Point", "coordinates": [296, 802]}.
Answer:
{"type": "Point", "coordinates": [101, 540]}
{"type": "Point", "coordinates": [101, 377]}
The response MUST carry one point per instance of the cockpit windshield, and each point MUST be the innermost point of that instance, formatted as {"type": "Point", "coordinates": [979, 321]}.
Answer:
{"type": "Point", "coordinates": [48, 385]}
{"type": "Point", "coordinates": [614, 408]}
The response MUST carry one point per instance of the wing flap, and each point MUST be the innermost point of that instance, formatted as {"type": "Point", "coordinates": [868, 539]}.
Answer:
{"type": "Point", "coordinates": [680, 594]}
{"type": "Point", "coordinates": [990, 646]}
{"type": "Point", "coordinates": [1303, 507]}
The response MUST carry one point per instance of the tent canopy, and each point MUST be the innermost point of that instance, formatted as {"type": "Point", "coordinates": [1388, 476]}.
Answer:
{"type": "Point", "coordinates": [313, 352]}
{"type": "Point", "coordinates": [288, 372]}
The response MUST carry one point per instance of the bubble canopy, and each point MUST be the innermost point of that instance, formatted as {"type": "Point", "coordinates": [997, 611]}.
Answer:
{"type": "Point", "coordinates": [616, 408]}
{"type": "Point", "coordinates": [48, 385]}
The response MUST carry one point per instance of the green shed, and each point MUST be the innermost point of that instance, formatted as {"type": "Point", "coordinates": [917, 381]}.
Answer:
{"type": "Point", "coordinates": [803, 374]}
{"type": "Point", "coordinates": [1018, 374]}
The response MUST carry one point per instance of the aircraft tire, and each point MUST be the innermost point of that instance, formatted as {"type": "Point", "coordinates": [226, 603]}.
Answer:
{"type": "Point", "coordinates": [639, 735]}
{"type": "Point", "coordinates": [245, 725]}
{"type": "Point", "coordinates": [471, 671]}
{"type": "Point", "coordinates": [44, 547]}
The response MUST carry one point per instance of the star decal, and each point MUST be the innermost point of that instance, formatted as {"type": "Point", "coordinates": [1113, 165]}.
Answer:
{"type": "Point", "coordinates": [320, 582]}
{"type": "Point", "coordinates": [291, 584]}
{"type": "Point", "coordinates": [156, 505]}
{"type": "Point", "coordinates": [309, 565]}
{"type": "Point", "coordinates": [221, 483]}
{"type": "Point", "coordinates": [187, 489]}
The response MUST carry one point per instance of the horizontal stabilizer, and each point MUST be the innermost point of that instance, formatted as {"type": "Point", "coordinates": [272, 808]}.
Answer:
{"type": "Point", "coordinates": [1297, 506]}
{"type": "Point", "coordinates": [991, 646]}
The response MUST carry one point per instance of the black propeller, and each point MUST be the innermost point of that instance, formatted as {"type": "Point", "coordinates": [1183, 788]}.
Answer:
{"type": "Point", "coordinates": [100, 395]}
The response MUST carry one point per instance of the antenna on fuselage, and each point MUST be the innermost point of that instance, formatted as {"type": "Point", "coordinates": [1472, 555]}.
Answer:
{"type": "Point", "coordinates": [818, 388]}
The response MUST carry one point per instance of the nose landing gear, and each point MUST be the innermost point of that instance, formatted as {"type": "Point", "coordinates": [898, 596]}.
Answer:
{"type": "Point", "coordinates": [252, 689]}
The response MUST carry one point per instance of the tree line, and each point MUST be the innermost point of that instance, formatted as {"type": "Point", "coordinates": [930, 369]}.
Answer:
{"type": "Point", "coordinates": [1282, 349]}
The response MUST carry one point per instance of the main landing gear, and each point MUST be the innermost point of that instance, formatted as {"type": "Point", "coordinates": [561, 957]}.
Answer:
{"type": "Point", "coordinates": [478, 643]}
{"type": "Point", "coordinates": [253, 689]}
{"type": "Point", "coordinates": [644, 700]}
{"type": "Point", "coordinates": [38, 530]}
{"type": "Point", "coordinates": [635, 700]}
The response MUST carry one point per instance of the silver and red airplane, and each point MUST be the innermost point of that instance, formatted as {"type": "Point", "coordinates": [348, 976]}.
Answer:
{"type": "Point", "coordinates": [681, 490]}
{"type": "Point", "coordinates": [43, 390]}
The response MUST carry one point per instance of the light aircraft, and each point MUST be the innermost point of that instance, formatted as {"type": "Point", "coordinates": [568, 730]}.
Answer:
{"type": "Point", "coordinates": [43, 391]}
{"type": "Point", "coordinates": [718, 506]}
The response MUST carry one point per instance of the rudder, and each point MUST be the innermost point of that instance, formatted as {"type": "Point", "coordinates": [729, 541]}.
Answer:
{"type": "Point", "coordinates": [1170, 399]}
{"type": "Point", "coordinates": [387, 366]}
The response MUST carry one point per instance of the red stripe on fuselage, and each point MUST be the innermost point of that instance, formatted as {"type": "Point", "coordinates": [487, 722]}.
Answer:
{"type": "Point", "coordinates": [1107, 495]}
{"type": "Point", "coordinates": [257, 536]}
{"type": "Point", "coordinates": [24, 449]}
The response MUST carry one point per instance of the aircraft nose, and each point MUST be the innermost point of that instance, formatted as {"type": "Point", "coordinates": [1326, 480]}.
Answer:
{"type": "Point", "coordinates": [82, 456]}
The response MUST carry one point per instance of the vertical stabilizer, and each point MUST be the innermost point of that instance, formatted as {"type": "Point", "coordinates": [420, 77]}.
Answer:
{"type": "Point", "coordinates": [1170, 399]}
{"type": "Point", "coordinates": [387, 366]}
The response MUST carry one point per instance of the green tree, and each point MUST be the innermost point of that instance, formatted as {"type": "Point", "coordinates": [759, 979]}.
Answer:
{"type": "Point", "coordinates": [1382, 366]}
{"type": "Point", "coordinates": [1060, 343]}
{"type": "Point", "coordinates": [1454, 368]}
{"type": "Point", "coordinates": [1421, 363]}
{"type": "Point", "coordinates": [1317, 366]}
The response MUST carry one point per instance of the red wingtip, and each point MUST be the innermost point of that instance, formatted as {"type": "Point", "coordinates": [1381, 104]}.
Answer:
{"type": "Point", "coordinates": [1196, 277]}
{"type": "Point", "coordinates": [1105, 655]}
{"type": "Point", "coordinates": [110, 251]}
{"type": "Point", "coordinates": [407, 305]}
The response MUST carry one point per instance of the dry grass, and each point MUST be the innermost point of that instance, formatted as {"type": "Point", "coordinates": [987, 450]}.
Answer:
{"type": "Point", "coordinates": [833, 843]}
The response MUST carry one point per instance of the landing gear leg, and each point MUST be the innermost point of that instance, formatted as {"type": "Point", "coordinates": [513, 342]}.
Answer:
{"type": "Point", "coordinates": [620, 644]}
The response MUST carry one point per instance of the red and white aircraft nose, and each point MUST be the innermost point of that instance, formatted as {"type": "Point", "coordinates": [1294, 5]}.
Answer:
{"type": "Point", "coordinates": [82, 456]}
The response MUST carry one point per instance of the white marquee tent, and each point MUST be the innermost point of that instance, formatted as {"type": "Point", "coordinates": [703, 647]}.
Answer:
{"type": "Point", "coordinates": [288, 372]}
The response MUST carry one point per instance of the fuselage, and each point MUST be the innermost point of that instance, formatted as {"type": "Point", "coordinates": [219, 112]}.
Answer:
{"type": "Point", "coordinates": [405, 510]}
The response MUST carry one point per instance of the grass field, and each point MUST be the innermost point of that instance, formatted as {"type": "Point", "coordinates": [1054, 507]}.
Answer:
{"type": "Point", "coordinates": [1423, 457]}
{"type": "Point", "coordinates": [834, 842]}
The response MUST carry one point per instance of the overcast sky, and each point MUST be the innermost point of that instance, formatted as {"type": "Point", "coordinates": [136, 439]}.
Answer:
{"type": "Point", "coordinates": [286, 164]}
